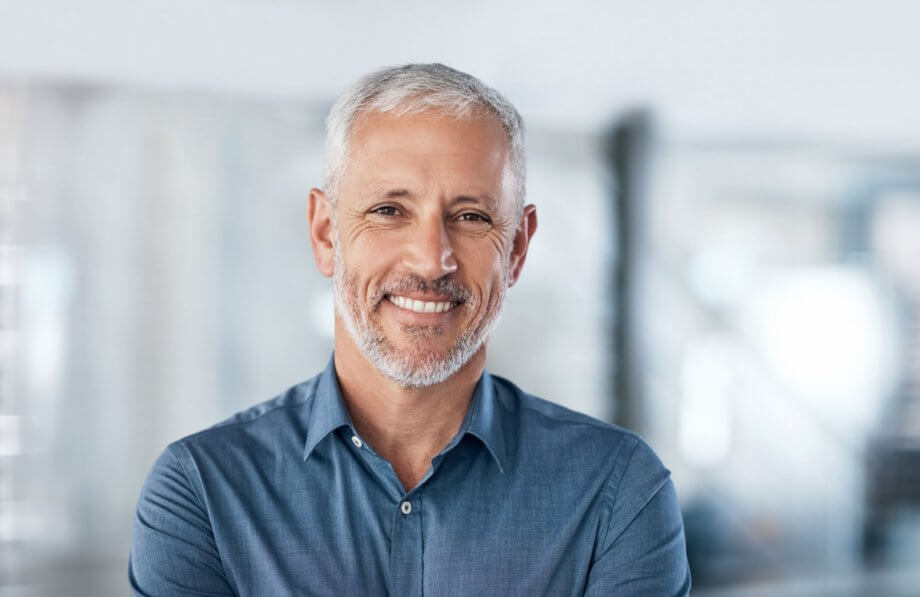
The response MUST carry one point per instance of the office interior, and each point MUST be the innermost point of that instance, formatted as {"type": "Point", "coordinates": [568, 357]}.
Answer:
{"type": "Point", "coordinates": [727, 259]}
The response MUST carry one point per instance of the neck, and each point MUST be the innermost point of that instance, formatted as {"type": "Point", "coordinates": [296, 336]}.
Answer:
{"type": "Point", "coordinates": [406, 426]}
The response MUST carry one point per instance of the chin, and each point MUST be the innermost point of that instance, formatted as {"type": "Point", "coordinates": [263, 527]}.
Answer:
{"type": "Point", "coordinates": [416, 376]}
{"type": "Point", "coordinates": [419, 368]}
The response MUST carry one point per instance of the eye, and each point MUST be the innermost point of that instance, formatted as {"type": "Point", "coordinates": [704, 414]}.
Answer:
{"type": "Point", "coordinates": [385, 210]}
{"type": "Point", "coordinates": [474, 217]}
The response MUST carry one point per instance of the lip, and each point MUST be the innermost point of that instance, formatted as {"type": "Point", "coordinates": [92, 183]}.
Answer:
{"type": "Point", "coordinates": [421, 318]}
{"type": "Point", "coordinates": [423, 296]}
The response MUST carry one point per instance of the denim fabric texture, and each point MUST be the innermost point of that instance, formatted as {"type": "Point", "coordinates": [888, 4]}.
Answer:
{"type": "Point", "coordinates": [529, 498]}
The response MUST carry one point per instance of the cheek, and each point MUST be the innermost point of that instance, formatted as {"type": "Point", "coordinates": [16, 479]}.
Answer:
{"type": "Point", "coordinates": [487, 285]}
{"type": "Point", "coordinates": [379, 246]}
{"type": "Point", "coordinates": [480, 253]}
{"type": "Point", "coordinates": [368, 264]}
{"type": "Point", "coordinates": [370, 249]}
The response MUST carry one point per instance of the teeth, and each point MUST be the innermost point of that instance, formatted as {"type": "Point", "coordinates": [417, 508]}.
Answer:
{"type": "Point", "coordinates": [421, 306]}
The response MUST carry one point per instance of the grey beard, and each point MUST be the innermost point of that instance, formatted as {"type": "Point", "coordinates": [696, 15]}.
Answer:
{"type": "Point", "coordinates": [411, 370]}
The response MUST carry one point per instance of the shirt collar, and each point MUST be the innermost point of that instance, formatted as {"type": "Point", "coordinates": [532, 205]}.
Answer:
{"type": "Point", "coordinates": [485, 421]}
{"type": "Point", "coordinates": [328, 414]}
{"type": "Point", "coordinates": [328, 409]}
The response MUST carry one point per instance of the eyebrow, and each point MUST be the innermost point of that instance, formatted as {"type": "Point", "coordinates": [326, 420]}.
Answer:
{"type": "Point", "coordinates": [477, 200]}
{"type": "Point", "coordinates": [397, 193]}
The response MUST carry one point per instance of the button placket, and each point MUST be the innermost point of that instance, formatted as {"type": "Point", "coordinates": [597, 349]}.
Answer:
{"type": "Point", "coordinates": [406, 548]}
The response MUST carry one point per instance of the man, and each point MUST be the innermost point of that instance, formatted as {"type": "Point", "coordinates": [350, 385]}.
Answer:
{"type": "Point", "coordinates": [404, 468]}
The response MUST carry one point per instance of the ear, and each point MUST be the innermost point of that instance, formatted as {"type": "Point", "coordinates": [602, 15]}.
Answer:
{"type": "Point", "coordinates": [319, 217]}
{"type": "Point", "coordinates": [525, 231]}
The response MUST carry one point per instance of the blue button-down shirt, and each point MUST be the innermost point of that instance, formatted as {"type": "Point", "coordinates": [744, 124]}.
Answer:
{"type": "Point", "coordinates": [529, 498]}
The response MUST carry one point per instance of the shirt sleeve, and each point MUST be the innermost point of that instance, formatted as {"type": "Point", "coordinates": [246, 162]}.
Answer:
{"type": "Point", "coordinates": [643, 551]}
{"type": "Point", "coordinates": [173, 550]}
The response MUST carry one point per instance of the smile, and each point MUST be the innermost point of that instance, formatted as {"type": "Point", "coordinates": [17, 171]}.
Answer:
{"type": "Point", "coordinates": [421, 306]}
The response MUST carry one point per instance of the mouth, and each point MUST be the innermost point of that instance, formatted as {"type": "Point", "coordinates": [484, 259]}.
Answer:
{"type": "Point", "coordinates": [417, 306]}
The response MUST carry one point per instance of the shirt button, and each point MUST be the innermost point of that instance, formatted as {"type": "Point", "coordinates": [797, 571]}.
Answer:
{"type": "Point", "coordinates": [356, 441]}
{"type": "Point", "coordinates": [406, 507]}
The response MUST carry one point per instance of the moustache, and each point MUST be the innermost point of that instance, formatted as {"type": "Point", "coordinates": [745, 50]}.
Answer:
{"type": "Point", "coordinates": [445, 287]}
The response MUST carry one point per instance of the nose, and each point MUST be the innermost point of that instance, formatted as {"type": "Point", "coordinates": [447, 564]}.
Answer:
{"type": "Point", "coordinates": [428, 251]}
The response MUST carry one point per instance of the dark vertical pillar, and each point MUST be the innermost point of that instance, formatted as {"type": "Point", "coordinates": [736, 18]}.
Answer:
{"type": "Point", "coordinates": [627, 147]}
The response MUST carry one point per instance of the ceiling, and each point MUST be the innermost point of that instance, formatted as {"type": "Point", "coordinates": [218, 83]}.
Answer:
{"type": "Point", "coordinates": [837, 70]}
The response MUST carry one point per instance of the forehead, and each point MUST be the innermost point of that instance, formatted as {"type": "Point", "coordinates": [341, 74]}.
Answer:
{"type": "Point", "coordinates": [428, 149]}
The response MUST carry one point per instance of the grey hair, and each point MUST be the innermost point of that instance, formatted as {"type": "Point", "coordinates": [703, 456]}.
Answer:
{"type": "Point", "coordinates": [414, 88]}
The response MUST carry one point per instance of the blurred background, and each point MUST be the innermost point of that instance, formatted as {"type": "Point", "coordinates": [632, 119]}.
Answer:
{"type": "Point", "coordinates": [728, 257]}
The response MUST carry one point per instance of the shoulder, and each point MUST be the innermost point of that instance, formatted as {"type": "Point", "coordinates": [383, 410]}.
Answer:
{"type": "Point", "coordinates": [545, 422]}
{"type": "Point", "coordinates": [551, 433]}
{"type": "Point", "coordinates": [268, 431]}
{"type": "Point", "coordinates": [278, 415]}
{"type": "Point", "coordinates": [267, 413]}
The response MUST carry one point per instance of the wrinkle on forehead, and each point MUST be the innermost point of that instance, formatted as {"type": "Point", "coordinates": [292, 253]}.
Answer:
{"type": "Point", "coordinates": [394, 156]}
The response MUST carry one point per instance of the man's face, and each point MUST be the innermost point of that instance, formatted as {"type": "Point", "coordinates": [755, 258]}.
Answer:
{"type": "Point", "coordinates": [424, 232]}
